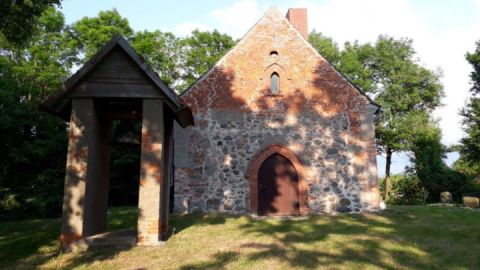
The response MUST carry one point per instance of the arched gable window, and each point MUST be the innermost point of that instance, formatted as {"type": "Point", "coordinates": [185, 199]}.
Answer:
{"type": "Point", "coordinates": [275, 83]}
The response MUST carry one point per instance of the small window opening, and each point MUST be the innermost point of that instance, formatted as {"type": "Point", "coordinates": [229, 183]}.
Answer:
{"type": "Point", "coordinates": [275, 83]}
{"type": "Point", "coordinates": [273, 53]}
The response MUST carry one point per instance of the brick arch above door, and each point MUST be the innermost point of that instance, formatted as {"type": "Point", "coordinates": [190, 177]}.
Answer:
{"type": "Point", "coordinates": [257, 161]}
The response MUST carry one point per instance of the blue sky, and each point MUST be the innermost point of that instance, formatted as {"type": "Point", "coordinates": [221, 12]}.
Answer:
{"type": "Point", "coordinates": [442, 30]}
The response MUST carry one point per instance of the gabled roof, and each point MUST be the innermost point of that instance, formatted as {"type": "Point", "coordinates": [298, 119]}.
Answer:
{"type": "Point", "coordinates": [59, 102]}
{"type": "Point", "coordinates": [273, 11]}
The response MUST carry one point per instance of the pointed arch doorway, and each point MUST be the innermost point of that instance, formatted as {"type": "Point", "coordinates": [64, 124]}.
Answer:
{"type": "Point", "coordinates": [277, 183]}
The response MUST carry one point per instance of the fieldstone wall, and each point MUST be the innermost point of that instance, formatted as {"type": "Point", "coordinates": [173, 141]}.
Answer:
{"type": "Point", "coordinates": [210, 172]}
{"type": "Point", "coordinates": [318, 115]}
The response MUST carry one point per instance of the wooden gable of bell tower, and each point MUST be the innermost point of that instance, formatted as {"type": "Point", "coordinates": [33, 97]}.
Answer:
{"type": "Point", "coordinates": [116, 84]}
{"type": "Point", "coordinates": [116, 72]}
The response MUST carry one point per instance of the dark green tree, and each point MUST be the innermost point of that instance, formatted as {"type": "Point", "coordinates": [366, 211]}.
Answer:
{"type": "Point", "coordinates": [201, 50]}
{"type": "Point", "coordinates": [162, 51]}
{"type": "Point", "coordinates": [325, 46]}
{"type": "Point", "coordinates": [90, 34]}
{"type": "Point", "coordinates": [470, 144]}
{"type": "Point", "coordinates": [18, 19]}
{"type": "Point", "coordinates": [428, 160]}
{"type": "Point", "coordinates": [33, 143]}
{"type": "Point", "coordinates": [357, 64]}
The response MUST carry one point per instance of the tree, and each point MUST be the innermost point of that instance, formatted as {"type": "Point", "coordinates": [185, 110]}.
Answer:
{"type": "Point", "coordinates": [47, 57]}
{"type": "Point", "coordinates": [33, 143]}
{"type": "Point", "coordinates": [18, 19]}
{"type": "Point", "coordinates": [179, 62]}
{"type": "Point", "coordinates": [325, 46]}
{"type": "Point", "coordinates": [90, 34]}
{"type": "Point", "coordinates": [162, 51]}
{"type": "Point", "coordinates": [403, 88]}
{"type": "Point", "coordinates": [389, 72]}
{"type": "Point", "coordinates": [357, 65]}
{"type": "Point", "coordinates": [470, 144]}
{"type": "Point", "coordinates": [428, 155]}
{"type": "Point", "coordinates": [201, 50]}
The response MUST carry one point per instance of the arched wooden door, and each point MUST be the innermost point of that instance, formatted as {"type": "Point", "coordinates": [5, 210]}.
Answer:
{"type": "Point", "coordinates": [278, 187]}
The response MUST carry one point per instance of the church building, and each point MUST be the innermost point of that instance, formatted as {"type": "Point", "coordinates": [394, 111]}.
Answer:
{"type": "Point", "coordinates": [278, 130]}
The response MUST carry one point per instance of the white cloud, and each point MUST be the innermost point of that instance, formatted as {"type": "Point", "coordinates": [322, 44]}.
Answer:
{"type": "Point", "coordinates": [347, 20]}
{"type": "Point", "coordinates": [477, 4]}
{"type": "Point", "coordinates": [234, 19]}
{"type": "Point", "coordinates": [237, 18]}
{"type": "Point", "coordinates": [186, 28]}
{"type": "Point", "coordinates": [450, 51]}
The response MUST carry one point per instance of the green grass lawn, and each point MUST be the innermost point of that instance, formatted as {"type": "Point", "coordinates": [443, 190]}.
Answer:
{"type": "Point", "coordinates": [421, 237]}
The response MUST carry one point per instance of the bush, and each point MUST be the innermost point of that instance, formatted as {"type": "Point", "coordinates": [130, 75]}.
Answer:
{"type": "Point", "coordinates": [446, 179]}
{"type": "Point", "coordinates": [9, 205]}
{"type": "Point", "coordinates": [436, 176]}
{"type": "Point", "coordinates": [472, 173]}
{"type": "Point", "coordinates": [406, 190]}
{"type": "Point", "coordinates": [471, 189]}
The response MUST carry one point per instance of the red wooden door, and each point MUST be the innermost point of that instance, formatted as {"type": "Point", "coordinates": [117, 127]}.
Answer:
{"type": "Point", "coordinates": [278, 187]}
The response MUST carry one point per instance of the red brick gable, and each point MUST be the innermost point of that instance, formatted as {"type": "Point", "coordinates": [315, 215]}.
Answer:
{"type": "Point", "coordinates": [241, 79]}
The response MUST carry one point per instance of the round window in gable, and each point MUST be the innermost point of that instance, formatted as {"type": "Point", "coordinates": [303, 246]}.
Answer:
{"type": "Point", "coordinates": [273, 53]}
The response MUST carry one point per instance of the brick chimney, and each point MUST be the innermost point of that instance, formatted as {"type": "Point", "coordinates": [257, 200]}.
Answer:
{"type": "Point", "coordinates": [298, 18]}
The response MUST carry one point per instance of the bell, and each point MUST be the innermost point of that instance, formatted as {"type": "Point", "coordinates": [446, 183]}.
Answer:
{"type": "Point", "coordinates": [126, 133]}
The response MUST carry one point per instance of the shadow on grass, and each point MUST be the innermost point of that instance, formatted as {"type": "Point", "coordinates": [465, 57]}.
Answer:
{"type": "Point", "coordinates": [122, 218]}
{"type": "Point", "coordinates": [404, 237]}
{"type": "Point", "coordinates": [24, 239]}
{"type": "Point", "coordinates": [34, 242]}
{"type": "Point", "coordinates": [294, 239]}
{"type": "Point", "coordinates": [219, 261]}
{"type": "Point", "coordinates": [179, 222]}
{"type": "Point", "coordinates": [29, 243]}
{"type": "Point", "coordinates": [91, 255]}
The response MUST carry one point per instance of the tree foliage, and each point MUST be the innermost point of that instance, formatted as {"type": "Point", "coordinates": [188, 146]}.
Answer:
{"type": "Point", "coordinates": [178, 61]}
{"type": "Point", "coordinates": [389, 72]}
{"type": "Point", "coordinates": [428, 154]}
{"type": "Point", "coordinates": [89, 34]}
{"type": "Point", "coordinates": [201, 51]}
{"type": "Point", "coordinates": [326, 46]}
{"type": "Point", "coordinates": [470, 148]}
{"type": "Point", "coordinates": [33, 143]}
{"type": "Point", "coordinates": [19, 19]}
{"type": "Point", "coordinates": [162, 51]}
{"type": "Point", "coordinates": [407, 189]}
